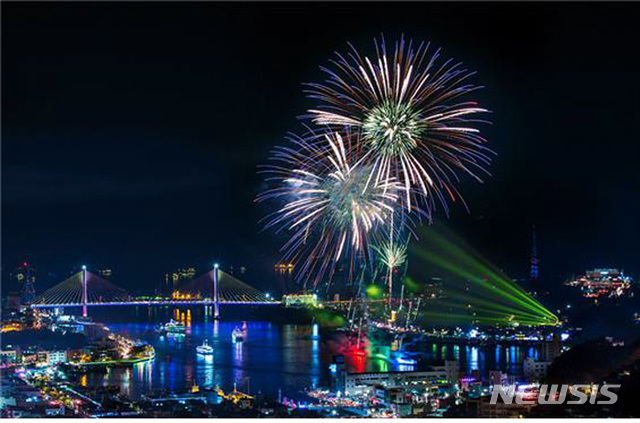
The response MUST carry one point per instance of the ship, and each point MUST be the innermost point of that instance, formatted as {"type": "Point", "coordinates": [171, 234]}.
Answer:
{"type": "Point", "coordinates": [172, 327]}
{"type": "Point", "coordinates": [205, 348]}
{"type": "Point", "coordinates": [237, 335]}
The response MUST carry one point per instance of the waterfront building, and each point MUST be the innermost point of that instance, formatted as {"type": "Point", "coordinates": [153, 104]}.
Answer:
{"type": "Point", "coordinates": [360, 383]}
{"type": "Point", "coordinates": [300, 300]}
{"type": "Point", "coordinates": [552, 349]}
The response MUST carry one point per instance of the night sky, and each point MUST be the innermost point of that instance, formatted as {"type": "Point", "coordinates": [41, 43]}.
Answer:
{"type": "Point", "coordinates": [131, 133]}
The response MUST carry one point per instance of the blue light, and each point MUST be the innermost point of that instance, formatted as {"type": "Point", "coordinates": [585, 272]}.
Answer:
{"type": "Point", "coordinates": [216, 265]}
{"type": "Point", "coordinates": [84, 267]}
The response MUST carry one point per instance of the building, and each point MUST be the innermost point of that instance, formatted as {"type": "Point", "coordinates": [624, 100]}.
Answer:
{"type": "Point", "coordinates": [51, 358]}
{"type": "Point", "coordinates": [602, 283]}
{"type": "Point", "coordinates": [535, 370]}
{"type": "Point", "coordinates": [285, 278]}
{"type": "Point", "coordinates": [173, 279]}
{"type": "Point", "coordinates": [9, 356]}
{"type": "Point", "coordinates": [553, 349]}
{"type": "Point", "coordinates": [25, 276]}
{"type": "Point", "coordinates": [300, 300]}
{"type": "Point", "coordinates": [356, 383]}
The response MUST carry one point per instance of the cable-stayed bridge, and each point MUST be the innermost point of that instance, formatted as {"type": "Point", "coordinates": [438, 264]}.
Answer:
{"type": "Point", "coordinates": [214, 288]}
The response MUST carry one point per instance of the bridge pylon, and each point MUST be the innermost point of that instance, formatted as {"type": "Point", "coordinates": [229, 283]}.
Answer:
{"type": "Point", "coordinates": [216, 302]}
{"type": "Point", "coordinates": [84, 291]}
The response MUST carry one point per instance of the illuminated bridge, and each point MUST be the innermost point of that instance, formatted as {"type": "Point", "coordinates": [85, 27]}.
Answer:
{"type": "Point", "coordinates": [214, 288]}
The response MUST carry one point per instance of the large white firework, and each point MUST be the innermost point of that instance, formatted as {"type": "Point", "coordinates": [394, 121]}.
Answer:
{"type": "Point", "coordinates": [329, 208]}
{"type": "Point", "coordinates": [416, 127]}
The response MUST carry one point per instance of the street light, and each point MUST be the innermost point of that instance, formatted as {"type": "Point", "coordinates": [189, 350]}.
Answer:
{"type": "Point", "coordinates": [84, 267]}
{"type": "Point", "coordinates": [216, 265]}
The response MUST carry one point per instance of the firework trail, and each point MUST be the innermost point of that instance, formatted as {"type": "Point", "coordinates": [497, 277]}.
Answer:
{"type": "Point", "coordinates": [329, 207]}
{"type": "Point", "coordinates": [416, 127]}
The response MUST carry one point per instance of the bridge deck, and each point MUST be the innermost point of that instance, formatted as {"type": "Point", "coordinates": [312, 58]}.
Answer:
{"type": "Point", "coordinates": [159, 303]}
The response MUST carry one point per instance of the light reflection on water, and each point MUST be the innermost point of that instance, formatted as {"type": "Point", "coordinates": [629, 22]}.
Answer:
{"type": "Point", "coordinates": [272, 357]}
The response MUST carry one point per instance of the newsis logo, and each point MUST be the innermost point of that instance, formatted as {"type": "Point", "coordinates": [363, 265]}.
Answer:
{"type": "Point", "coordinates": [556, 394]}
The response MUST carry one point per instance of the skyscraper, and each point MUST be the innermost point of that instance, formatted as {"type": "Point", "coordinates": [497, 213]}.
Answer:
{"type": "Point", "coordinates": [26, 277]}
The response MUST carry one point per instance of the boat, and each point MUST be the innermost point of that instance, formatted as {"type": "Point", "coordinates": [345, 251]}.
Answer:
{"type": "Point", "coordinates": [205, 348]}
{"type": "Point", "coordinates": [406, 361]}
{"type": "Point", "coordinates": [237, 335]}
{"type": "Point", "coordinates": [173, 327]}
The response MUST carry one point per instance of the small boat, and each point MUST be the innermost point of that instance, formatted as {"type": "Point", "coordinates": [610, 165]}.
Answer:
{"type": "Point", "coordinates": [237, 335]}
{"type": "Point", "coordinates": [406, 361]}
{"type": "Point", "coordinates": [173, 327]}
{"type": "Point", "coordinates": [205, 348]}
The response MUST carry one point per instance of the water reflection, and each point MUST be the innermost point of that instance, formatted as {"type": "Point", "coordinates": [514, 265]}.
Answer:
{"type": "Point", "coordinates": [315, 357]}
{"type": "Point", "coordinates": [483, 358]}
{"type": "Point", "coordinates": [291, 357]}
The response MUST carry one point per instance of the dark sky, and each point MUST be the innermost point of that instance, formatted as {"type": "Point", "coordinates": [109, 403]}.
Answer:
{"type": "Point", "coordinates": [131, 132]}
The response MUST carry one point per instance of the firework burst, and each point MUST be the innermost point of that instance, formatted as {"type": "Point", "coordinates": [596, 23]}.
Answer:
{"type": "Point", "coordinates": [392, 255]}
{"type": "Point", "coordinates": [416, 128]}
{"type": "Point", "coordinates": [329, 207]}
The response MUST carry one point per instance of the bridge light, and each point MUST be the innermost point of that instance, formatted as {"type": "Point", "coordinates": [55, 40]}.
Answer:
{"type": "Point", "coordinates": [84, 267]}
{"type": "Point", "coordinates": [216, 265]}
{"type": "Point", "coordinates": [268, 295]}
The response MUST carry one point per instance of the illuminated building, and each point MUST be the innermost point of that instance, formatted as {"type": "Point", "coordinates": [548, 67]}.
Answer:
{"type": "Point", "coordinates": [300, 300]}
{"type": "Point", "coordinates": [51, 358]}
{"type": "Point", "coordinates": [284, 267]}
{"type": "Point", "coordinates": [26, 278]}
{"type": "Point", "coordinates": [177, 295]}
{"type": "Point", "coordinates": [173, 279]}
{"type": "Point", "coordinates": [284, 277]}
{"type": "Point", "coordinates": [602, 283]}
{"type": "Point", "coordinates": [357, 383]}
